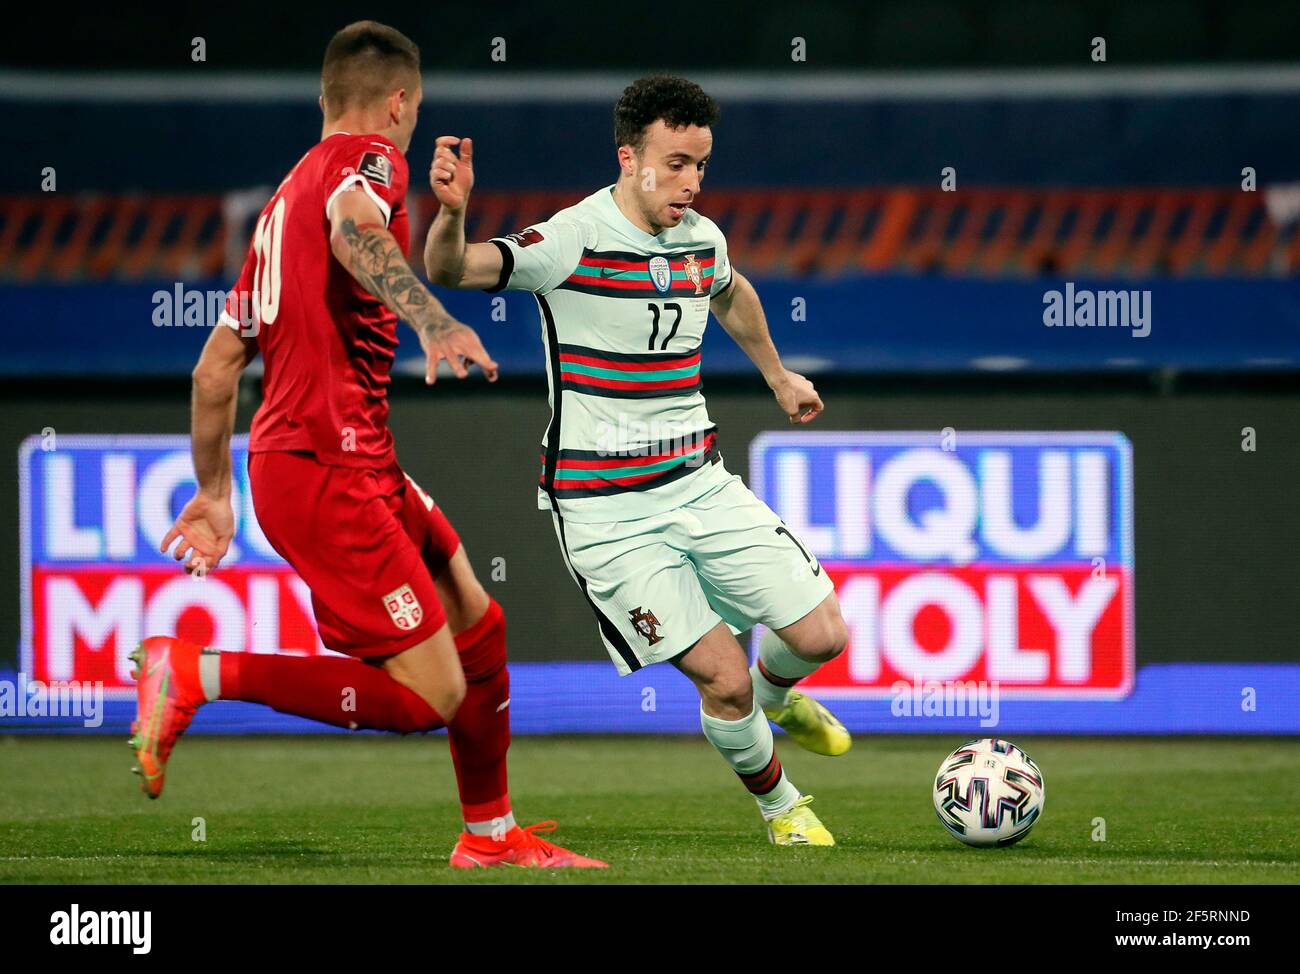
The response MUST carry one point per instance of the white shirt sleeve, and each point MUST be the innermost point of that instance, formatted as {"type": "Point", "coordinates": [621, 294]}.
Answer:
{"type": "Point", "coordinates": [721, 264]}
{"type": "Point", "coordinates": [540, 258]}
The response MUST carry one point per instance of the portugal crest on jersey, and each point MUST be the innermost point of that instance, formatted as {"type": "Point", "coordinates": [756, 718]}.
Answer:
{"type": "Point", "coordinates": [693, 273]}
{"type": "Point", "coordinates": [661, 274]}
{"type": "Point", "coordinates": [646, 624]}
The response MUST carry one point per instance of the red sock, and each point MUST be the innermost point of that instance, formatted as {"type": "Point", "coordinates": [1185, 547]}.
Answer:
{"type": "Point", "coordinates": [331, 689]}
{"type": "Point", "coordinates": [480, 731]}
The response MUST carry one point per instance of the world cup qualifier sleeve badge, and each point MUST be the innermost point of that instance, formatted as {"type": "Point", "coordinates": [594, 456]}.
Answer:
{"type": "Point", "coordinates": [646, 624]}
{"type": "Point", "coordinates": [377, 168]}
{"type": "Point", "coordinates": [403, 608]}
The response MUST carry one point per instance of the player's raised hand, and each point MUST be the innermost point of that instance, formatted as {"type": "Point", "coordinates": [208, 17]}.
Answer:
{"type": "Point", "coordinates": [797, 397]}
{"type": "Point", "coordinates": [450, 175]}
{"type": "Point", "coordinates": [460, 346]}
{"type": "Point", "coordinates": [205, 526]}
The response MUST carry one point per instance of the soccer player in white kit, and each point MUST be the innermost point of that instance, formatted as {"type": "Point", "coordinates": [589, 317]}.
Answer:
{"type": "Point", "coordinates": [674, 554]}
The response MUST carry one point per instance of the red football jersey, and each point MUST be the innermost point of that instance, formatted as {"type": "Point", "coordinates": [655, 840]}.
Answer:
{"type": "Point", "coordinates": [327, 345]}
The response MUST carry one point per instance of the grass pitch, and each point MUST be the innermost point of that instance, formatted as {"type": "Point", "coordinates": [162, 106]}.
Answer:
{"type": "Point", "coordinates": [372, 809]}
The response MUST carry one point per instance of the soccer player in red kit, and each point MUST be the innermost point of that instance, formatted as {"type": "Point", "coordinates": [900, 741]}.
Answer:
{"type": "Point", "coordinates": [391, 585]}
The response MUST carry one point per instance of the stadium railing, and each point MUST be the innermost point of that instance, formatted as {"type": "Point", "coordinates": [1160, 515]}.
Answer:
{"type": "Point", "coordinates": [978, 232]}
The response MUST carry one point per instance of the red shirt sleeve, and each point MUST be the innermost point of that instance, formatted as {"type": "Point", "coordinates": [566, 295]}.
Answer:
{"type": "Point", "coordinates": [372, 163]}
{"type": "Point", "coordinates": [239, 312]}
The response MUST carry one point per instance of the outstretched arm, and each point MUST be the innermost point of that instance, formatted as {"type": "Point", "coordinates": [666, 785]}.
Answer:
{"type": "Point", "coordinates": [206, 524]}
{"type": "Point", "coordinates": [448, 260]}
{"type": "Point", "coordinates": [370, 253]}
{"type": "Point", "coordinates": [741, 314]}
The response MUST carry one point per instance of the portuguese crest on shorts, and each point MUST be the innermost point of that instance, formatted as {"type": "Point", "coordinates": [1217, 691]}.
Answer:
{"type": "Point", "coordinates": [646, 624]}
{"type": "Point", "coordinates": [693, 273]}
{"type": "Point", "coordinates": [661, 273]}
{"type": "Point", "coordinates": [403, 608]}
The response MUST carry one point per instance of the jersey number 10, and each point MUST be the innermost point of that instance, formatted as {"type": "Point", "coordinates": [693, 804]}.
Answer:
{"type": "Point", "coordinates": [267, 239]}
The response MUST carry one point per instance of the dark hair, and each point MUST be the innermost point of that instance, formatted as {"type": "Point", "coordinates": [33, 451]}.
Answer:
{"type": "Point", "coordinates": [363, 62]}
{"type": "Point", "coordinates": [677, 101]}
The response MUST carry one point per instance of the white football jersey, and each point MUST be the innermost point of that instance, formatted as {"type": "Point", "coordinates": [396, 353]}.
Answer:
{"type": "Point", "coordinates": [623, 316]}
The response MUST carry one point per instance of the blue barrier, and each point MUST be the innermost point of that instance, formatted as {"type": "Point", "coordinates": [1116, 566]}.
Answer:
{"type": "Point", "coordinates": [585, 698]}
{"type": "Point", "coordinates": [894, 323]}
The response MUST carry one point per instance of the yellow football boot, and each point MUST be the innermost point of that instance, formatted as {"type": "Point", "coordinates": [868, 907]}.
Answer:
{"type": "Point", "coordinates": [810, 725]}
{"type": "Point", "coordinates": [799, 826]}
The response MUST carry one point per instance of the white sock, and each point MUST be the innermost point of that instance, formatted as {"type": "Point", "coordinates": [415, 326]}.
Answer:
{"type": "Point", "coordinates": [780, 670]}
{"type": "Point", "coordinates": [210, 672]}
{"type": "Point", "coordinates": [494, 827]}
{"type": "Point", "coordinates": [747, 746]}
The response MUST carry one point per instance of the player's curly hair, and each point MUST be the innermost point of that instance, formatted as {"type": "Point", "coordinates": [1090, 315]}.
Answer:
{"type": "Point", "coordinates": [677, 101]}
{"type": "Point", "coordinates": [364, 61]}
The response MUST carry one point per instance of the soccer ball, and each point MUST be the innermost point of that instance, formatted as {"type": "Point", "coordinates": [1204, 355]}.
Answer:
{"type": "Point", "coordinates": [989, 793]}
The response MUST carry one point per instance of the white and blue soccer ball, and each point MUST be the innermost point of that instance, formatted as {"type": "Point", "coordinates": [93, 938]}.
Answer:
{"type": "Point", "coordinates": [989, 793]}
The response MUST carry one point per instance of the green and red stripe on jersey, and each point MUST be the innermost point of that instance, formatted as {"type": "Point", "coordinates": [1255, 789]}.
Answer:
{"type": "Point", "coordinates": [628, 375]}
{"type": "Point", "coordinates": [597, 473]}
{"type": "Point", "coordinates": [611, 274]}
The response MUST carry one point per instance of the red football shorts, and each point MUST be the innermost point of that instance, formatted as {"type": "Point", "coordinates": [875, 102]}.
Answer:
{"type": "Point", "coordinates": [368, 543]}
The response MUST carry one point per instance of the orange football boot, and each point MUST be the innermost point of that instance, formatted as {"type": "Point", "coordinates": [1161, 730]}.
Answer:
{"type": "Point", "coordinates": [521, 847]}
{"type": "Point", "coordinates": [168, 692]}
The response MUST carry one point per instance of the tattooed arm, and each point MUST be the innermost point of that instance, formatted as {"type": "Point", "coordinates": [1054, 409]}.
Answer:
{"type": "Point", "coordinates": [364, 246]}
